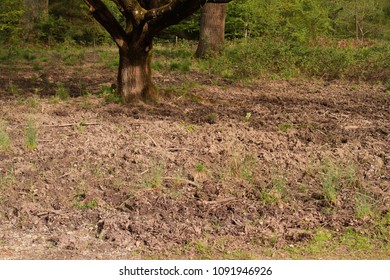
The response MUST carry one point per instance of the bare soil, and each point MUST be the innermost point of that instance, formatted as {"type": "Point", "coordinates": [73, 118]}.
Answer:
{"type": "Point", "coordinates": [216, 166]}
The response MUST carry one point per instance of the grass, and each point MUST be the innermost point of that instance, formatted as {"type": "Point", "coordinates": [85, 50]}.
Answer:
{"type": "Point", "coordinates": [154, 178]}
{"type": "Point", "coordinates": [62, 92]}
{"type": "Point", "coordinates": [80, 200]}
{"type": "Point", "coordinates": [242, 167]}
{"type": "Point", "coordinates": [110, 95]}
{"type": "Point", "coordinates": [363, 206]}
{"type": "Point", "coordinates": [200, 167]}
{"type": "Point", "coordinates": [4, 137]}
{"type": "Point", "coordinates": [31, 136]}
{"type": "Point", "coordinates": [350, 244]}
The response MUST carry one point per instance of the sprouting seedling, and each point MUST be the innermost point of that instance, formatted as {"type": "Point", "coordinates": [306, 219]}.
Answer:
{"type": "Point", "coordinates": [248, 116]}
{"type": "Point", "coordinates": [31, 136]}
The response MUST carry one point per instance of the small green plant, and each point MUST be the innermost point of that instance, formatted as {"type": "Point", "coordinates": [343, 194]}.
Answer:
{"type": "Point", "coordinates": [320, 241]}
{"type": "Point", "coordinates": [33, 102]}
{"type": "Point", "coordinates": [154, 178]}
{"type": "Point", "coordinates": [80, 199]}
{"type": "Point", "coordinates": [387, 86]}
{"type": "Point", "coordinates": [279, 186]}
{"type": "Point", "coordinates": [8, 179]}
{"type": "Point", "coordinates": [189, 127]}
{"type": "Point", "coordinates": [13, 89]}
{"type": "Point", "coordinates": [248, 117]}
{"type": "Point", "coordinates": [31, 135]}
{"type": "Point", "coordinates": [363, 205]}
{"type": "Point", "coordinates": [182, 66]}
{"type": "Point", "coordinates": [268, 198]}
{"type": "Point", "coordinates": [211, 118]}
{"type": "Point", "coordinates": [62, 92]}
{"type": "Point", "coordinates": [110, 95]}
{"type": "Point", "coordinates": [242, 166]}
{"type": "Point", "coordinates": [4, 137]}
{"type": "Point", "coordinates": [200, 167]}
{"type": "Point", "coordinates": [284, 127]}
{"type": "Point", "coordinates": [331, 177]}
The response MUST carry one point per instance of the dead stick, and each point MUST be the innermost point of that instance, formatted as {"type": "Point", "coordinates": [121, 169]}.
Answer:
{"type": "Point", "coordinates": [154, 142]}
{"type": "Point", "coordinates": [70, 124]}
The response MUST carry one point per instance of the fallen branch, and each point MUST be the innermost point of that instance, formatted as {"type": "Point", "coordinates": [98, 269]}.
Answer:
{"type": "Point", "coordinates": [72, 124]}
{"type": "Point", "coordinates": [225, 200]}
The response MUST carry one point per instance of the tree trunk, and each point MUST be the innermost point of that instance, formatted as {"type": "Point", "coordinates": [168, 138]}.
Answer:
{"type": "Point", "coordinates": [212, 29]}
{"type": "Point", "coordinates": [135, 74]}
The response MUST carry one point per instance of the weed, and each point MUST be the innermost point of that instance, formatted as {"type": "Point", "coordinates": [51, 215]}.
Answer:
{"type": "Point", "coordinates": [8, 179]}
{"type": "Point", "coordinates": [182, 66]}
{"type": "Point", "coordinates": [189, 127]}
{"type": "Point", "coordinates": [154, 178]}
{"type": "Point", "coordinates": [331, 177]}
{"type": "Point", "coordinates": [31, 135]}
{"type": "Point", "coordinates": [110, 95]}
{"type": "Point", "coordinates": [268, 198]}
{"type": "Point", "coordinates": [200, 167]}
{"type": "Point", "coordinates": [86, 104]}
{"type": "Point", "coordinates": [242, 166]}
{"type": "Point", "coordinates": [203, 249]}
{"type": "Point", "coordinates": [320, 242]}
{"type": "Point", "coordinates": [13, 89]}
{"type": "Point", "coordinates": [211, 118]}
{"type": "Point", "coordinates": [363, 206]}
{"type": "Point", "coordinates": [248, 116]}
{"type": "Point", "coordinates": [279, 186]}
{"type": "Point", "coordinates": [387, 86]}
{"type": "Point", "coordinates": [4, 137]}
{"type": "Point", "coordinates": [33, 102]}
{"type": "Point", "coordinates": [37, 67]}
{"type": "Point", "coordinates": [80, 201]}
{"type": "Point", "coordinates": [62, 92]}
{"type": "Point", "coordinates": [284, 127]}
{"type": "Point", "coordinates": [29, 56]}
{"type": "Point", "coordinates": [351, 176]}
{"type": "Point", "coordinates": [356, 241]}
{"type": "Point", "coordinates": [117, 184]}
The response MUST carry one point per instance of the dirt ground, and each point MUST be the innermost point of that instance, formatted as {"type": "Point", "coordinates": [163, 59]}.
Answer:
{"type": "Point", "coordinates": [211, 166]}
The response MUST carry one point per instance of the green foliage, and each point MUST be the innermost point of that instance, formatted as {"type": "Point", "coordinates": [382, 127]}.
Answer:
{"type": "Point", "coordinates": [62, 92]}
{"type": "Point", "coordinates": [110, 95]}
{"type": "Point", "coordinates": [305, 20]}
{"type": "Point", "coordinates": [11, 12]}
{"type": "Point", "coordinates": [80, 200]}
{"type": "Point", "coordinates": [243, 59]}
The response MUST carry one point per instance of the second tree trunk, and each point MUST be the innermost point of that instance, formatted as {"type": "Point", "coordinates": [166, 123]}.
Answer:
{"type": "Point", "coordinates": [212, 29]}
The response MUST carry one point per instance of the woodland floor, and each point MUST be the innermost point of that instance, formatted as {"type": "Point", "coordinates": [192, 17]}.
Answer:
{"type": "Point", "coordinates": [213, 169]}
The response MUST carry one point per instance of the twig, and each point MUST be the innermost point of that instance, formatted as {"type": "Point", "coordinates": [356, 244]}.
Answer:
{"type": "Point", "coordinates": [71, 124]}
{"type": "Point", "coordinates": [183, 180]}
{"type": "Point", "coordinates": [219, 201]}
{"type": "Point", "coordinates": [179, 149]}
{"type": "Point", "coordinates": [154, 142]}
{"type": "Point", "coordinates": [64, 175]}
{"type": "Point", "coordinates": [144, 172]}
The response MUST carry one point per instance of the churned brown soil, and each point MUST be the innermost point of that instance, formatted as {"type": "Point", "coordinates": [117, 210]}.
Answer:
{"type": "Point", "coordinates": [219, 167]}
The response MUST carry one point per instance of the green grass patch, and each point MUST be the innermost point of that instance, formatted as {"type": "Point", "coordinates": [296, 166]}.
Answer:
{"type": "Point", "coordinates": [4, 136]}
{"type": "Point", "coordinates": [31, 135]}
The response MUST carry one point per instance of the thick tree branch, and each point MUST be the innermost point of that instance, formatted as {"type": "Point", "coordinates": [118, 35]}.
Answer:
{"type": "Point", "coordinates": [173, 12]}
{"type": "Point", "coordinates": [103, 15]}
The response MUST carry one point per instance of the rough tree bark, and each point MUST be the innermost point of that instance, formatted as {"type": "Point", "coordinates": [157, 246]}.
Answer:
{"type": "Point", "coordinates": [212, 29]}
{"type": "Point", "coordinates": [144, 20]}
